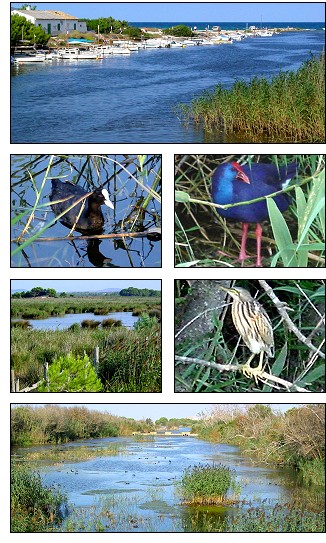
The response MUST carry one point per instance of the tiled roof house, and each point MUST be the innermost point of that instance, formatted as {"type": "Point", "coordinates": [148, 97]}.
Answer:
{"type": "Point", "coordinates": [52, 22]}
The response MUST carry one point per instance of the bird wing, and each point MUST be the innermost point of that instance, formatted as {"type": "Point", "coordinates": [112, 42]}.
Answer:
{"type": "Point", "coordinates": [267, 333]}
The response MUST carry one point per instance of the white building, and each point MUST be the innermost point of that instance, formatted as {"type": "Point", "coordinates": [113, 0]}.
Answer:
{"type": "Point", "coordinates": [52, 22]}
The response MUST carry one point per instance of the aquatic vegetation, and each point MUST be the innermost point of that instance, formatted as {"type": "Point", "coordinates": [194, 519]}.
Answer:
{"type": "Point", "coordinates": [280, 518]}
{"type": "Point", "coordinates": [207, 484]}
{"type": "Point", "coordinates": [289, 107]}
{"type": "Point", "coordinates": [34, 507]}
{"type": "Point", "coordinates": [56, 456]}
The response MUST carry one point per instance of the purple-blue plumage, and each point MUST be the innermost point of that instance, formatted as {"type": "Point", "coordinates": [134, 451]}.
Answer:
{"type": "Point", "coordinates": [232, 183]}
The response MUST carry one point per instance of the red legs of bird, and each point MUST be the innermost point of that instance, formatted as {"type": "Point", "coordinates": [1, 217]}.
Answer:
{"type": "Point", "coordinates": [243, 255]}
{"type": "Point", "coordinates": [258, 239]}
{"type": "Point", "coordinates": [248, 371]}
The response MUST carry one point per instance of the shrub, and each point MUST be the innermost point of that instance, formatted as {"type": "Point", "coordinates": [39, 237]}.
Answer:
{"type": "Point", "coordinates": [70, 374]}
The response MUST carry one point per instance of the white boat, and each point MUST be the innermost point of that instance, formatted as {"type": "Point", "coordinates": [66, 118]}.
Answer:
{"type": "Point", "coordinates": [23, 59]}
{"type": "Point", "coordinates": [76, 54]}
{"type": "Point", "coordinates": [176, 44]}
{"type": "Point", "coordinates": [265, 34]}
{"type": "Point", "coordinates": [154, 43]}
{"type": "Point", "coordinates": [120, 51]}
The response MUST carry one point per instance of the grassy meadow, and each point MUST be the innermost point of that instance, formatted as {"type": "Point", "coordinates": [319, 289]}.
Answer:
{"type": "Point", "coordinates": [129, 359]}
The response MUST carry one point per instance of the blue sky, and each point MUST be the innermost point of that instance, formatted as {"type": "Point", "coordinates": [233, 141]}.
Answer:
{"type": "Point", "coordinates": [155, 411]}
{"type": "Point", "coordinates": [82, 285]}
{"type": "Point", "coordinates": [191, 11]}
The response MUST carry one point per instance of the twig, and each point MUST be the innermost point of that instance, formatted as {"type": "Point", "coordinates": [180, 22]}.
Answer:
{"type": "Point", "coordinates": [233, 367]}
{"type": "Point", "coordinates": [283, 312]}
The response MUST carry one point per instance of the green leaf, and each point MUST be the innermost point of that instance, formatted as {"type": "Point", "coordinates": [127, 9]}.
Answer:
{"type": "Point", "coordinates": [282, 235]}
{"type": "Point", "coordinates": [313, 375]}
{"type": "Point", "coordinates": [278, 366]}
{"type": "Point", "coordinates": [181, 196]}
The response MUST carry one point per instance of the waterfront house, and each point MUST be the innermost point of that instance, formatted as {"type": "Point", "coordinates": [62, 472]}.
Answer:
{"type": "Point", "coordinates": [52, 22]}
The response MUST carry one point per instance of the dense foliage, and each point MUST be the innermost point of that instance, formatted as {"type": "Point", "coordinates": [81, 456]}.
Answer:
{"type": "Point", "coordinates": [23, 30]}
{"type": "Point", "coordinates": [36, 292]}
{"type": "Point", "coordinates": [109, 25]}
{"type": "Point", "coordinates": [295, 438]}
{"type": "Point", "coordinates": [34, 507]}
{"type": "Point", "coordinates": [179, 31]}
{"type": "Point", "coordinates": [58, 424]}
{"type": "Point", "coordinates": [132, 291]}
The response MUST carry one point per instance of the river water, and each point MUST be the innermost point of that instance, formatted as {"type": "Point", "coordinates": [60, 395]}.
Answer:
{"type": "Point", "coordinates": [133, 99]}
{"type": "Point", "coordinates": [136, 490]}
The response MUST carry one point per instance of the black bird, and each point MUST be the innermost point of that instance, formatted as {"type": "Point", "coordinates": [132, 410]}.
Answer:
{"type": "Point", "coordinates": [91, 217]}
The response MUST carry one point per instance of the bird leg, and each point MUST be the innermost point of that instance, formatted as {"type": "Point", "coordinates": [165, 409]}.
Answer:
{"type": "Point", "coordinates": [248, 371]}
{"type": "Point", "coordinates": [258, 240]}
{"type": "Point", "coordinates": [243, 254]}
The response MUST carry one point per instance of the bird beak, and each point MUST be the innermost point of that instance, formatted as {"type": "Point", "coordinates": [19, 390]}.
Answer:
{"type": "Point", "coordinates": [240, 173]}
{"type": "Point", "coordinates": [107, 200]}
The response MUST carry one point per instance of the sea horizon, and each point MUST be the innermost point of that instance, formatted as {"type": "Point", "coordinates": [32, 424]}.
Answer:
{"type": "Point", "coordinates": [230, 25]}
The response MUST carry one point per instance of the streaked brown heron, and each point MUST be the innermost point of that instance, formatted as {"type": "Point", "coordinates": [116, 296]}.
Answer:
{"type": "Point", "coordinates": [254, 326]}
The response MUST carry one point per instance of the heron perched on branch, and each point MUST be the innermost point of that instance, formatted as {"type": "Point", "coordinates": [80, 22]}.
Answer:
{"type": "Point", "coordinates": [254, 326]}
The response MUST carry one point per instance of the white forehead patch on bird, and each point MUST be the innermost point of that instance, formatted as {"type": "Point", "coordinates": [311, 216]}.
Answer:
{"type": "Point", "coordinates": [107, 199]}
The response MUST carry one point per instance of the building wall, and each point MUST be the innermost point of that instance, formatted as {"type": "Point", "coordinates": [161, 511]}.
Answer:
{"type": "Point", "coordinates": [54, 26]}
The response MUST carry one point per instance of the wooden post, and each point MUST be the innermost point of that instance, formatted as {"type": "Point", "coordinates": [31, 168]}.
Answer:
{"type": "Point", "coordinates": [46, 374]}
{"type": "Point", "coordinates": [17, 385]}
{"type": "Point", "coordinates": [96, 356]}
{"type": "Point", "coordinates": [12, 385]}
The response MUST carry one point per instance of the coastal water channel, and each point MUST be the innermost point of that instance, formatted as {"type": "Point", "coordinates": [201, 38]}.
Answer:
{"type": "Point", "coordinates": [134, 99]}
{"type": "Point", "coordinates": [136, 490]}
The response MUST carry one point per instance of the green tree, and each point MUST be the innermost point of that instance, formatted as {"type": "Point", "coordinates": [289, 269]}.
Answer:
{"type": "Point", "coordinates": [70, 374]}
{"type": "Point", "coordinates": [179, 30]}
{"type": "Point", "coordinates": [22, 29]}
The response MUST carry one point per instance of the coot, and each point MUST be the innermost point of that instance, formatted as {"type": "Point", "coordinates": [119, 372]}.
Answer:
{"type": "Point", "coordinates": [91, 218]}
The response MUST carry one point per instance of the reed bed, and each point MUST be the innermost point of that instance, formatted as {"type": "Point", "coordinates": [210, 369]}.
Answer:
{"type": "Point", "coordinates": [288, 107]}
{"type": "Point", "coordinates": [36, 308]}
{"type": "Point", "coordinates": [206, 485]}
{"type": "Point", "coordinates": [34, 507]}
{"type": "Point", "coordinates": [130, 360]}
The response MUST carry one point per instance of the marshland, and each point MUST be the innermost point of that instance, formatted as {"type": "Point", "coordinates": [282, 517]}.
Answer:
{"type": "Point", "coordinates": [62, 333]}
{"type": "Point", "coordinates": [251, 469]}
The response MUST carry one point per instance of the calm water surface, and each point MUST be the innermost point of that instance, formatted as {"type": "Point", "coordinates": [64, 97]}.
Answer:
{"type": "Point", "coordinates": [64, 321]}
{"type": "Point", "coordinates": [140, 483]}
{"type": "Point", "coordinates": [128, 100]}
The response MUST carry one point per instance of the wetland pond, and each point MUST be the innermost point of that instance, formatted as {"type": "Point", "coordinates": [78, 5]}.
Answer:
{"type": "Point", "coordinates": [60, 322]}
{"type": "Point", "coordinates": [135, 489]}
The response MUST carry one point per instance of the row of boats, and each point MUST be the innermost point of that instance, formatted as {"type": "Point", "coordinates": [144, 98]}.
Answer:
{"type": "Point", "coordinates": [117, 48]}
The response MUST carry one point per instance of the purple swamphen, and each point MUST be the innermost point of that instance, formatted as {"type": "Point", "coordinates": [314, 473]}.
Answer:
{"type": "Point", "coordinates": [232, 183]}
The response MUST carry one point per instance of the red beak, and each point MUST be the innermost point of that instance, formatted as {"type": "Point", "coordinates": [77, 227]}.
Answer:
{"type": "Point", "coordinates": [240, 173]}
